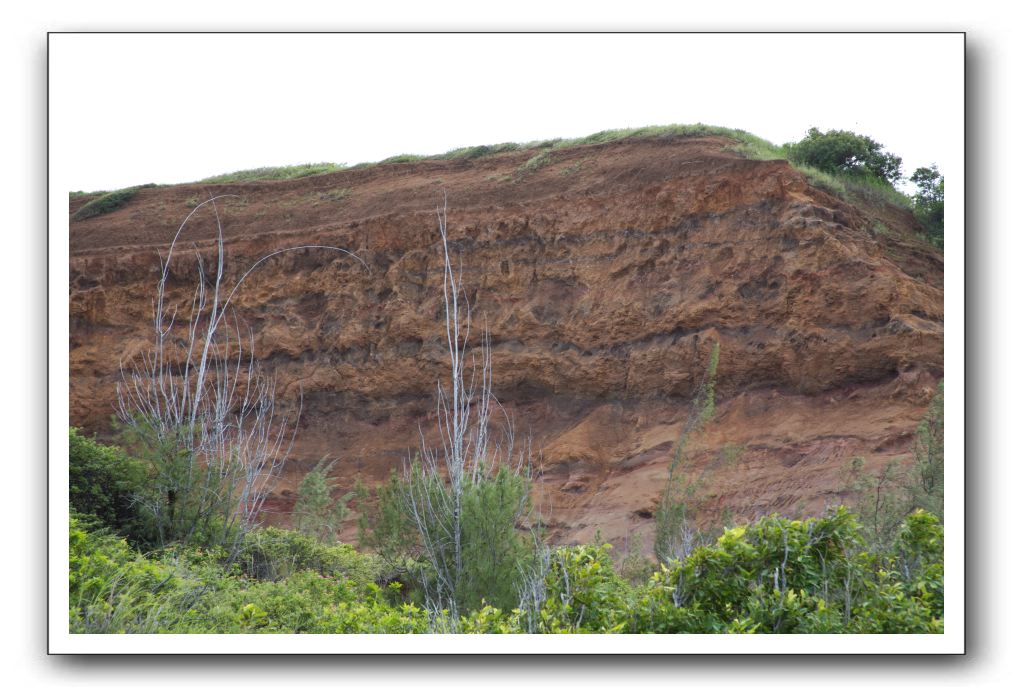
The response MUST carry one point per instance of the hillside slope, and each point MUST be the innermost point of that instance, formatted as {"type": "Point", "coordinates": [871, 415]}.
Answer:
{"type": "Point", "coordinates": [604, 276]}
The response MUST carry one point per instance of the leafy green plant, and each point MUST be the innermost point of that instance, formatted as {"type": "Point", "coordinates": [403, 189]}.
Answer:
{"type": "Point", "coordinates": [386, 526]}
{"type": "Point", "coordinates": [105, 483]}
{"type": "Point", "coordinates": [316, 513]}
{"type": "Point", "coordinates": [781, 575]}
{"type": "Point", "coordinates": [928, 202]}
{"type": "Point", "coordinates": [183, 500]}
{"type": "Point", "coordinates": [114, 589]}
{"type": "Point", "coordinates": [583, 592]}
{"type": "Point", "coordinates": [484, 563]}
{"type": "Point", "coordinates": [776, 575]}
{"type": "Point", "coordinates": [273, 554]}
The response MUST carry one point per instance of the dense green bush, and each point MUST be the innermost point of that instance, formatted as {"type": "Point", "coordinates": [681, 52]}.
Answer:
{"type": "Point", "coordinates": [188, 589]}
{"type": "Point", "coordinates": [928, 202]}
{"type": "Point", "coordinates": [583, 592]}
{"type": "Point", "coordinates": [274, 554]}
{"type": "Point", "coordinates": [113, 588]}
{"type": "Point", "coordinates": [777, 575]}
{"type": "Point", "coordinates": [104, 482]}
{"type": "Point", "coordinates": [845, 152]}
{"type": "Point", "coordinates": [801, 576]}
{"type": "Point", "coordinates": [181, 500]}
{"type": "Point", "coordinates": [386, 528]}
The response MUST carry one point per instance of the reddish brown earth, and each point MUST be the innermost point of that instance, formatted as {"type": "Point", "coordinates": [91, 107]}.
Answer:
{"type": "Point", "coordinates": [604, 278]}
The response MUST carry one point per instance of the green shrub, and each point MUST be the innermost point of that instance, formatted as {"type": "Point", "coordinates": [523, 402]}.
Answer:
{"type": "Point", "coordinates": [800, 576]}
{"type": "Point", "coordinates": [305, 603]}
{"type": "Point", "coordinates": [535, 163]}
{"type": "Point", "coordinates": [845, 153]}
{"type": "Point", "coordinates": [113, 588]}
{"type": "Point", "coordinates": [403, 157]}
{"type": "Point", "coordinates": [583, 593]}
{"type": "Point", "coordinates": [316, 513]}
{"type": "Point", "coordinates": [474, 152]}
{"type": "Point", "coordinates": [274, 173]}
{"type": "Point", "coordinates": [387, 528]}
{"type": "Point", "coordinates": [192, 590]}
{"type": "Point", "coordinates": [776, 575]}
{"type": "Point", "coordinates": [274, 554]}
{"type": "Point", "coordinates": [181, 500]}
{"type": "Point", "coordinates": [928, 202]}
{"type": "Point", "coordinates": [636, 567]}
{"type": "Point", "coordinates": [107, 202]}
{"type": "Point", "coordinates": [104, 482]}
{"type": "Point", "coordinates": [493, 552]}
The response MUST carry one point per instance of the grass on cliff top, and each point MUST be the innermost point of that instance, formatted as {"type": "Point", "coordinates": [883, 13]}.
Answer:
{"type": "Point", "coordinates": [107, 202]}
{"type": "Point", "coordinates": [749, 145]}
{"type": "Point", "coordinates": [275, 173]}
{"type": "Point", "coordinates": [850, 188]}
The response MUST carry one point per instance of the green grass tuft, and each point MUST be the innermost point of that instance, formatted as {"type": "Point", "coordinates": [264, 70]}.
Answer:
{"type": "Point", "coordinates": [107, 202]}
{"type": "Point", "coordinates": [274, 173]}
{"type": "Point", "coordinates": [403, 157]}
{"type": "Point", "coordinates": [474, 152]}
{"type": "Point", "coordinates": [535, 163]}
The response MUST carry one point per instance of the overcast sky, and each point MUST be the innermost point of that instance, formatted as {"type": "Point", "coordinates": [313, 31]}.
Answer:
{"type": "Point", "coordinates": [133, 109]}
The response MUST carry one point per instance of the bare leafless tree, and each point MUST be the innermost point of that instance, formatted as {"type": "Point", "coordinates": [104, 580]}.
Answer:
{"type": "Point", "coordinates": [435, 482]}
{"type": "Point", "coordinates": [200, 407]}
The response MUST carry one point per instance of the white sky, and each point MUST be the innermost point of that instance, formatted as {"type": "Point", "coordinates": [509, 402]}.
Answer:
{"type": "Point", "coordinates": [132, 109]}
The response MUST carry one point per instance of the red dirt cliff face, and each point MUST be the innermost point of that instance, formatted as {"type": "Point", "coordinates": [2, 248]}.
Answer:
{"type": "Point", "coordinates": [604, 278]}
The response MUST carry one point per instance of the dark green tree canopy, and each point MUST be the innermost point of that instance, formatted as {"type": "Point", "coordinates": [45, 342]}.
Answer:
{"type": "Point", "coordinates": [839, 152]}
{"type": "Point", "coordinates": [928, 202]}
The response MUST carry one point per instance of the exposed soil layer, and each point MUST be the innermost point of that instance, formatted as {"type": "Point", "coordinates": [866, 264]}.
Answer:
{"type": "Point", "coordinates": [604, 278]}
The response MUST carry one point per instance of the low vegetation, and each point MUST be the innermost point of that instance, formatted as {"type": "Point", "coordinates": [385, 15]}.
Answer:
{"type": "Point", "coordinates": [274, 173]}
{"type": "Point", "coordinates": [928, 202]}
{"type": "Point", "coordinates": [107, 202]}
{"type": "Point", "coordinates": [876, 568]}
{"type": "Point", "coordinates": [774, 576]}
{"type": "Point", "coordinates": [850, 165]}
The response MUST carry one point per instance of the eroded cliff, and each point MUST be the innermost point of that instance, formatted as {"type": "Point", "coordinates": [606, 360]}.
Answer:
{"type": "Point", "coordinates": [603, 276]}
